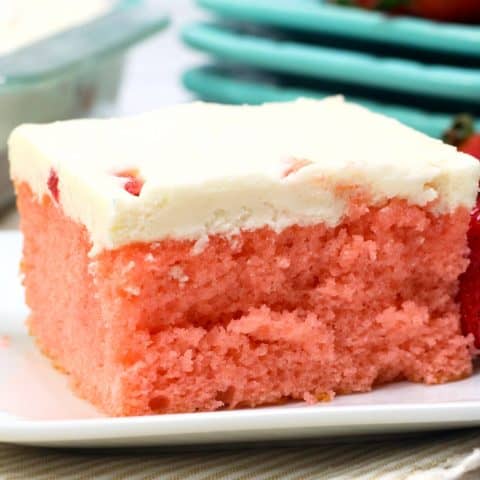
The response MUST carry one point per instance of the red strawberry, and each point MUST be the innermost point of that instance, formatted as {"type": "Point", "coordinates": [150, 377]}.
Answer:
{"type": "Point", "coordinates": [443, 10]}
{"type": "Point", "coordinates": [471, 146]}
{"type": "Point", "coordinates": [133, 186]}
{"type": "Point", "coordinates": [134, 183]}
{"type": "Point", "coordinates": [469, 293]}
{"type": "Point", "coordinates": [52, 183]}
{"type": "Point", "coordinates": [463, 136]}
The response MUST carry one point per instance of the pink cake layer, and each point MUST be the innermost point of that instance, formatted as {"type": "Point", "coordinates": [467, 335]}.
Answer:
{"type": "Point", "coordinates": [256, 319]}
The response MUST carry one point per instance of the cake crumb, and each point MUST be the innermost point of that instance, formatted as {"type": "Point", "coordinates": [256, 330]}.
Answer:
{"type": "Point", "coordinates": [135, 291]}
{"type": "Point", "coordinates": [92, 268]}
{"type": "Point", "coordinates": [320, 397]}
{"type": "Point", "coordinates": [177, 273]}
{"type": "Point", "coordinates": [149, 258]}
{"type": "Point", "coordinates": [283, 262]}
{"type": "Point", "coordinates": [129, 266]}
{"type": "Point", "coordinates": [325, 397]}
{"type": "Point", "coordinates": [200, 245]}
{"type": "Point", "coordinates": [236, 243]}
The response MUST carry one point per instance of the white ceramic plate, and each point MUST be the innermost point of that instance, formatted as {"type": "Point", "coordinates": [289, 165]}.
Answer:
{"type": "Point", "coordinates": [37, 407]}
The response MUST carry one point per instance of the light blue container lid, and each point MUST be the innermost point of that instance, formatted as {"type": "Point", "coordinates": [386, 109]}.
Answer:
{"type": "Point", "coordinates": [129, 22]}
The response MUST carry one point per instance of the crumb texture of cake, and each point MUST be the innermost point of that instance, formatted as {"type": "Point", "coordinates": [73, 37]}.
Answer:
{"type": "Point", "coordinates": [207, 257]}
{"type": "Point", "coordinates": [256, 319]}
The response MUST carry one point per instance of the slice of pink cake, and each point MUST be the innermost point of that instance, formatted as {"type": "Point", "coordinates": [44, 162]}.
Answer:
{"type": "Point", "coordinates": [207, 256]}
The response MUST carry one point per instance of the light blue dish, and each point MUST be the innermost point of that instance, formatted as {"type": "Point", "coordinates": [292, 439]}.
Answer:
{"type": "Point", "coordinates": [319, 16]}
{"type": "Point", "coordinates": [218, 85]}
{"type": "Point", "coordinates": [333, 64]}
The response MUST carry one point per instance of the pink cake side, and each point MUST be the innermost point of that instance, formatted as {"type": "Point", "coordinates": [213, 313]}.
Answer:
{"type": "Point", "coordinates": [177, 326]}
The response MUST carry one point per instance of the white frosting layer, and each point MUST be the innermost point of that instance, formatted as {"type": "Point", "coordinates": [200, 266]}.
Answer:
{"type": "Point", "coordinates": [26, 21]}
{"type": "Point", "coordinates": [217, 169]}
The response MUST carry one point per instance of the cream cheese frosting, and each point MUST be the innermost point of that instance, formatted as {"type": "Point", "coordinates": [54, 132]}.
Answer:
{"type": "Point", "coordinates": [216, 169]}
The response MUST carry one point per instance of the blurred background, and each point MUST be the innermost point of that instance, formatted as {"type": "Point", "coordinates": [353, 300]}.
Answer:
{"type": "Point", "coordinates": [418, 62]}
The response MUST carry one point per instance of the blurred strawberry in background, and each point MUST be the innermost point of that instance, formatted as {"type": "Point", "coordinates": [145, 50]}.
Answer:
{"type": "Point", "coordinates": [463, 136]}
{"type": "Point", "coordinates": [467, 11]}
{"type": "Point", "coordinates": [472, 145]}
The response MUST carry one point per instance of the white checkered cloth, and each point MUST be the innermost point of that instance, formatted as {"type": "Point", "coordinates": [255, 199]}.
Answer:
{"type": "Point", "coordinates": [438, 456]}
